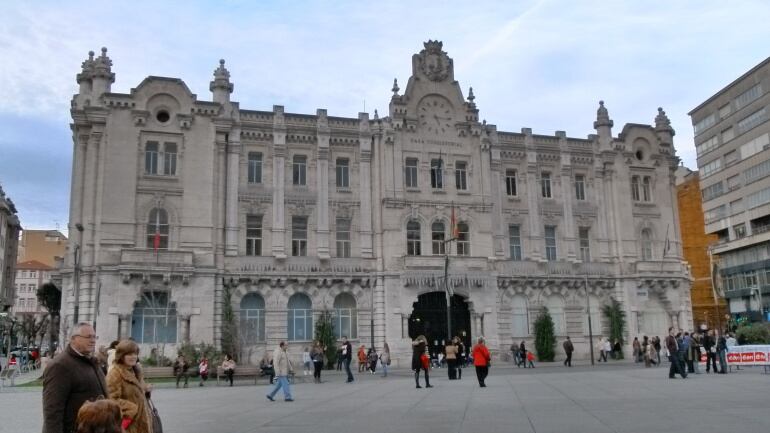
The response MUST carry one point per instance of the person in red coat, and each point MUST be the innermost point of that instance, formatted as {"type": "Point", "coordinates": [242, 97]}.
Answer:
{"type": "Point", "coordinates": [481, 360]}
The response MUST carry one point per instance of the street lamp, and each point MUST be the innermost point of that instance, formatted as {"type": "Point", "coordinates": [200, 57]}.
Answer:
{"type": "Point", "coordinates": [76, 276]}
{"type": "Point", "coordinates": [590, 329]}
{"type": "Point", "coordinates": [761, 306]}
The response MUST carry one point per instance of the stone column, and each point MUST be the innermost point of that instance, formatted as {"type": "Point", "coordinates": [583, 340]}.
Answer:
{"type": "Point", "coordinates": [76, 191]}
{"type": "Point", "coordinates": [125, 326]}
{"type": "Point", "coordinates": [232, 181]}
{"type": "Point", "coordinates": [601, 214]}
{"type": "Point", "coordinates": [365, 173]}
{"type": "Point", "coordinates": [611, 211]}
{"type": "Point", "coordinates": [567, 194]}
{"type": "Point", "coordinates": [322, 176]}
{"type": "Point", "coordinates": [533, 198]}
{"type": "Point", "coordinates": [278, 232]}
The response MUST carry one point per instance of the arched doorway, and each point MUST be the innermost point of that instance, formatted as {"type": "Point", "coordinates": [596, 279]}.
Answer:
{"type": "Point", "coordinates": [428, 318]}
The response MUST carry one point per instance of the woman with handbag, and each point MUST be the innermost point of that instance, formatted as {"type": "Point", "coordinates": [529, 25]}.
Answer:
{"type": "Point", "coordinates": [127, 387]}
{"type": "Point", "coordinates": [228, 366]}
{"type": "Point", "coordinates": [317, 356]}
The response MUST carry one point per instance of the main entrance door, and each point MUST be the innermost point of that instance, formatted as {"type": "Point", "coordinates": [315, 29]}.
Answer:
{"type": "Point", "coordinates": [429, 319]}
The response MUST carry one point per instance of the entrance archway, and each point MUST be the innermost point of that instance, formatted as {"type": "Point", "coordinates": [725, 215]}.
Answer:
{"type": "Point", "coordinates": [428, 318]}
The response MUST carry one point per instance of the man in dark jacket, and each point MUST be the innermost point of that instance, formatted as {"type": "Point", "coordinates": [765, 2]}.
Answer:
{"type": "Point", "coordinates": [70, 379]}
{"type": "Point", "coordinates": [347, 356]}
{"type": "Point", "coordinates": [709, 345]}
{"type": "Point", "coordinates": [672, 347]}
{"type": "Point", "coordinates": [568, 349]}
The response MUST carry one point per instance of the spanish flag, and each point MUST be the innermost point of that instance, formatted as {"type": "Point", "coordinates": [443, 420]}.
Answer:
{"type": "Point", "coordinates": [453, 223]}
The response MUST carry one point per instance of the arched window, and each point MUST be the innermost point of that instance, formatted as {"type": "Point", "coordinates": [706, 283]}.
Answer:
{"type": "Point", "coordinates": [300, 318]}
{"type": "Point", "coordinates": [157, 229]}
{"type": "Point", "coordinates": [345, 316]}
{"type": "Point", "coordinates": [252, 319]}
{"type": "Point", "coordinates": [555, 306]}
{"type": "Point", "coordinates": [646, 244]}
{"type": "Point", "coordinates": [438, 235]}
{"type": "Point", "coordinates": [463, 239]}
{"type": "Point", "coordinates": [519, 317]}
{"type": "Point", "coordinates": [154, 319]}
{"type": "Point", "coordinates": [413, 238]}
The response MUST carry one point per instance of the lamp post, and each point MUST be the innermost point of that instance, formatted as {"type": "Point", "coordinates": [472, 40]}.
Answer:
{"type": "Point", "coordinates": [76, 276]}
{"type": "Point", "coordinates": [761, 307]}
{"type": "Point", "coordinates": [590, 329]}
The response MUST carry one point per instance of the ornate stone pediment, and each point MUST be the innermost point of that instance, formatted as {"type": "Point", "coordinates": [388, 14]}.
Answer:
{"type": "Point", "coordinates": [433, 62]}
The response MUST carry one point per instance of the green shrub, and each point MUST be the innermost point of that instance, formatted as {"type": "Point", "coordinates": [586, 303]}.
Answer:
{"type": "Point", "coordinates": [193, 353]}
{"type": "Point", "coordinates": [545, 340]}
{"type": "Point", "coordinates": [755, 333]}
{"type": "Point", "coordinates": [156, 361]}
{"type": "Point", "coordinates": [324, 333]}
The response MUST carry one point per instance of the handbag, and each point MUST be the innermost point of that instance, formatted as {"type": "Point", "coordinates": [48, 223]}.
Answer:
{"type": "Point", "coordinates": [157, 425]}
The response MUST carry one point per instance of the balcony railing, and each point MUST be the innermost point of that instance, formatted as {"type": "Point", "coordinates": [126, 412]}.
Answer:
{"type": "Point", "coordinates": [149, 258]}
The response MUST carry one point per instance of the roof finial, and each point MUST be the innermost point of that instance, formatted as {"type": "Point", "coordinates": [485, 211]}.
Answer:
{"type": "Point", "coordinates": [662, 122]}
{"type": "Point", "coordinates": [603, 116]}
{"type": "Point", "coordinates": [376, 115]}
{"type": "Point", "coordinates": [470, 95]}
{"type": "Point", "coordinates": [395, 88]}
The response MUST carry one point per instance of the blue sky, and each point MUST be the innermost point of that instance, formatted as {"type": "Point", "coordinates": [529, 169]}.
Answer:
{"type": "Point", "coordinates": [537, 64]}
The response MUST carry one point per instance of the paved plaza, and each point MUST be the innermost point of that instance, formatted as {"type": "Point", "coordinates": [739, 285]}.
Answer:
{"type": "Point", "coordinates": [606, 398]}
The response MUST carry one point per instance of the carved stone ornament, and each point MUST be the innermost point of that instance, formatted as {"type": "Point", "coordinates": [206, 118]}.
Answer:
{"type": "Point", "coordinates": [434, 63]}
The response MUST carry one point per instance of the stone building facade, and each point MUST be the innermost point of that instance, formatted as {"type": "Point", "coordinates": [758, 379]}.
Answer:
{"type": "Point", "coordinates": [186, 204]}
{"type": "Point", "coordinates": [9, 244]}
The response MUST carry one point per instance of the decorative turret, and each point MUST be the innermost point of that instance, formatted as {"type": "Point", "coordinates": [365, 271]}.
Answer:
{"type": "Point", "coordinates": [395, 89]}
{"type": "Point", "coordinates": [471, 112]}
{"type": "Point", "coordinates": [221, 87]}
{"type": "Point", "coordinates": [663, 128]}
{"type": "Point", "coordinates": [603, 126]}
{"type": "Point", "coordinates": [85, 80]}
{"type": "Point", "coordinates": [102, 76]}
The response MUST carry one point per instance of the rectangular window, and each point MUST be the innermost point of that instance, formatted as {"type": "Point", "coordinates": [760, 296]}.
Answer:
{"type": "Point", "coordinates": [736, 206]}
{"type": "Point", "coordinates": [436, 180]}
{"type": "Point", "coordinates": [712, 191]}
{"type": "Point", "coordinates": [724, 111]}
{"type": "Point", "coordinates": [253, 235]}
{"type": "Point", "coordinates": [343, 173]}
{"type": "Point", "coordinates": [711, 168]}
{"type": "Point", "coordinates": [751, 120]}
{"type": "Point", "coordinates": [751, 148]}
{"type": "Point", "coordinates": [299, 170]}
{"type": "Point", "coordinates": [298, 236]}
{"type": "Point", "coordinates": [748, 97]}
{"type": "Point", "coordinates": [169, 159]}
{"type": "Point", "coordinates": [715, 214]}
{"type": "Point", "coordinates": [731, 157]}
{"type": "Point", "coordinates": [343, 237]}
{"type": "Point", "coordinates": [728, 134]}
{"type": "Point", "coordinates": [585, 244]}
{"type": "Point", "coordinates": [550, 243]}
{"type": "Point", "coordinates": [514, 240]}
{"type": "Point", "coordinates": [463, 240]}
{"type": "Point", "coordinates": [647, 189]}
{"type": "Point", "coordinates": [410, 173]}
{"type": "Point", "coordinates": [545, 184]}
{"type": "Point", "coordinates": [461, 181]}
{"type": "Point", "coordinates": [580, 187]}
{"type": "Point", "coordinates": [733, 182]}
{"type": "Point", "coordinates": [707, 146]}
{"type": "Point", "coordinates": [756, 172]}
{"type": "Point", "coordinates": [704, 124]}
{"type": "Point", "coordinates": [255, 167]}
{"type": "Point", "coordinates": [151, 158]}
{"type": "Point", "coordinates": [740, 230]}
{"type": "Point", "coordinates": [510, 183]}
{"type": "Point", "coordinates": [635, 195]}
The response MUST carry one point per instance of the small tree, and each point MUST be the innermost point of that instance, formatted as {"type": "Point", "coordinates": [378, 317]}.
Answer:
{"type": "Point", "coordinates": [49, 296]}
{"type": "Point", "coordinates": [617, 322]}
{"type": "Point", "coordinates": [229, 340]}
{"type": "Point", "coordinates": [324, 333]}
{"type": "Point", "coordinates": [755, 333]}
{"type": "Point", "coordinates": [545, 338]}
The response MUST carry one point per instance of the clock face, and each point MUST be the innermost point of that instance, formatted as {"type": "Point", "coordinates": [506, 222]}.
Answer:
{"type": "Point", "coordinates": [435, 114]}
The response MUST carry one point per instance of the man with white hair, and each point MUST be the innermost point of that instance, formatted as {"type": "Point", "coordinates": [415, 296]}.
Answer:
{"type": "Point", "coordinates": [71, 379]}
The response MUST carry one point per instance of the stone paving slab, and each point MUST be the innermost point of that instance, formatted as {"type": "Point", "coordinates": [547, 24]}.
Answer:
{"type": "Point", "coordinates": [620, 398]}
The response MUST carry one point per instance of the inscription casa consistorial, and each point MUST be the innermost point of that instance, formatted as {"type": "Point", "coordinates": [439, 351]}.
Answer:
{"type": "Point", "coordinates": [435, 142]}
